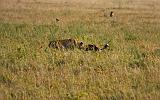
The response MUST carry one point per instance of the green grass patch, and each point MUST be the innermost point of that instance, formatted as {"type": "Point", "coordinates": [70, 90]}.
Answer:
{"type": "Point", "coordinates": [129, 69]}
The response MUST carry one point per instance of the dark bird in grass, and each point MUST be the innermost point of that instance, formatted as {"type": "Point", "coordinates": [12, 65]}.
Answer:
{"type": "Point", "coordinates": [111, 14]}
{"type": "Point", "coordinates": [57, 20]}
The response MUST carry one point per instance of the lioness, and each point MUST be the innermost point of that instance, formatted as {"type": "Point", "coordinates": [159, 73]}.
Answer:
{"type": "Point", "coordinates": [65, 44]}
{"type": "Point", "coordinates": [72, 43]}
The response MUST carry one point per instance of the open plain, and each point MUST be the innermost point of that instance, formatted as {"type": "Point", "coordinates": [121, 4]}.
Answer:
{"type": "Point", "coordinates": [129, 69]}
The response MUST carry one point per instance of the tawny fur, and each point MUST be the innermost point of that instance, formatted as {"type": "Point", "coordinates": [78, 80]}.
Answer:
{"type": "Point", "coordinates": [65, 44]}
{"type": "Point", "coordinates": [72, 43]}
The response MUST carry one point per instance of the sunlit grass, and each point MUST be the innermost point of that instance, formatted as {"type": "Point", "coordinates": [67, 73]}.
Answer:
{"type": "Point", "coordinates": [129, 69]}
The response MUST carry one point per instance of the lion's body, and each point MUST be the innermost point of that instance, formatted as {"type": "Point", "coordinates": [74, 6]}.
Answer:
{"type": "Point", "coordinates": [65, 44]}
{"type": "Point", "coordinates": [72, 43]}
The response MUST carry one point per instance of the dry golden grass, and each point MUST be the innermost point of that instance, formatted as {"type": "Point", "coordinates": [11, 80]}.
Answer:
{"type": "Point", "coordinates": [128, 70]}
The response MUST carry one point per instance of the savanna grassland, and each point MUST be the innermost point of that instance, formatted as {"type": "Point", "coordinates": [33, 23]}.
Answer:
{"type": "Point", "coordinates": [129, 69]}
